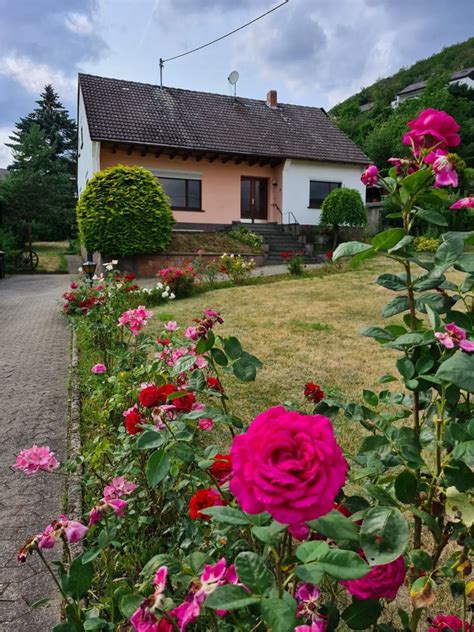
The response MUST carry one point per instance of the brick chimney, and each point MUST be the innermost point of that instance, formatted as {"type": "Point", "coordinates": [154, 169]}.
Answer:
{"type": "Point", "coordinates": [272, 100]}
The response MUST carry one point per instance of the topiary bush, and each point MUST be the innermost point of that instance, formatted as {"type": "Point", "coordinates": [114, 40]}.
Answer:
{"type": "Point", "coordinates": [124, 211]}
{"type": "Point", "coordinates": [343, 207]}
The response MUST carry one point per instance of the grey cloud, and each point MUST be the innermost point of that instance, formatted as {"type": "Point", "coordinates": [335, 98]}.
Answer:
{"type": "Point", "coordinates": [36, 34]}
{"type": "Point", "coordinates": [334, 49]}
{"type": "Point", "coordinates": [38, 30]}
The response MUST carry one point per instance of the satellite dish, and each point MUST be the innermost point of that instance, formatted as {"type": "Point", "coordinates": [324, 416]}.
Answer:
{"type": "Point", "coordinates": [232, 79]}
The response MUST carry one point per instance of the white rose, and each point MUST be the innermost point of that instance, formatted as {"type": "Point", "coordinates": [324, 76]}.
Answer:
{"type": "Point", "coordinates": [172, 296]}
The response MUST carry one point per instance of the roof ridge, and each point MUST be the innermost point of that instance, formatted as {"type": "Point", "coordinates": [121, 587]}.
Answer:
{"type": "Point", "coordinates": [214, 94]}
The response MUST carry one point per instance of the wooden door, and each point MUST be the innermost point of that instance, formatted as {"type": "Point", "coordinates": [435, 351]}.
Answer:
{"type": "Point", "coordinates": [253, 198]}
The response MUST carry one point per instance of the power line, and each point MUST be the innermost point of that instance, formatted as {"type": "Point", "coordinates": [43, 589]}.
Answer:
{"type": "Point", "coordinates": [218, 39]}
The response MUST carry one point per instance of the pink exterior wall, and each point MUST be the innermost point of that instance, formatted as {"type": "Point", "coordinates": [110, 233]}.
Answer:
{"type": "Point", "coordinates": [220, 183]}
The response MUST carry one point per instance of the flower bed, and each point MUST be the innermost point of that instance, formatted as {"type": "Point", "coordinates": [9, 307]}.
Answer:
{"type": "Point", "coordinates": [199, 520]}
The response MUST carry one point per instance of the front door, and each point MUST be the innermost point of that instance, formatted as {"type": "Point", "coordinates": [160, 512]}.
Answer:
{"type": "Point", "coordinates": [253, 198]}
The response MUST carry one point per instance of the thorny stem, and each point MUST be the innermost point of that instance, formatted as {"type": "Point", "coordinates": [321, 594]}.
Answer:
{"type": "Point", "coordinates": [415, 619]}
{"type": "Point", "coordinates": [109, 569]}
{"type": "Point", "coordinates": [55, 579]}
{"type": "Point", "coordinates": [416, 399]}
{"type": "Point", "coordinates": [222, 397]}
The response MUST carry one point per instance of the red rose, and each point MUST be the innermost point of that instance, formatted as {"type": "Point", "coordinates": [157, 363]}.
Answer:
{"type": "Point", "coordinates": [129, 277]}
{"type": "Point", "coordinates": [214, 384]}
{"type": "Point", "coordinates": [341, 508]}
{"type": "Point", "coordinates": [152, 396]}
{"type": "Point", "coordinates": [221, 469]}
{"type": "Point", "coordinates": [133, 419]}
{"type": "Point", "coordinates": [163, 341]}
{"type": "Point", "coordinates": [313, 392]}
{"type": "Point", "coordinates": [185, 402]}
{"type": "Point", "coordinates": [201, 500]}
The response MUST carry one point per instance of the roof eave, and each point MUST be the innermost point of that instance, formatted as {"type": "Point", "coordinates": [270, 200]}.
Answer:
{"type": "Point", "coordinates": [363, 160]}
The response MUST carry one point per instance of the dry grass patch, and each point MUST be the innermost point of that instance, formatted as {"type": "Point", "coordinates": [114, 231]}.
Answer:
{"type": "Point", "coordinates": [301, 330]}
{"type": "Point", "coordinates": [209, 242]}
{"type": "Point", "coordinates": [51, 256]}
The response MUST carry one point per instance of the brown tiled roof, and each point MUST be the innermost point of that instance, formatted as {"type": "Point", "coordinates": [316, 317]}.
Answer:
{"type": "Point", "coordinates": [141, 113]}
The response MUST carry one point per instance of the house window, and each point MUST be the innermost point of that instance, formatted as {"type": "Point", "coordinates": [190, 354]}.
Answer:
{"type": "Point", "coordinates": [319, 190]}
{"type": "Point", "coordinates": [184, 194]}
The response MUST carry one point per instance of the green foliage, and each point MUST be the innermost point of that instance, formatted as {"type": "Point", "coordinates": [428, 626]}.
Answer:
{"type": "Point", "coordinates": [294, 262]}
{"type": "Point", "coordinates": [344, 206]}
{"type": "Point", "coordinates": [124, 211]}
{"type": "Point", "coordinates": [247, 236]}
{"type": "Point", "coordinates": [39, 192]}
{"type": "Point", "coordinates": [236, 267]}
{"type": "Point", "coordinates": [378, 131]}
{"type": "Point", "coordinates": [426, 244]}
{"type": "Point", "coordinates": [55, 125]}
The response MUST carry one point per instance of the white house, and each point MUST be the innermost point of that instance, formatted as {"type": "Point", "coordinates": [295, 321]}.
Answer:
{"type": "Point", "coordinates": [221, 159]}
{"type": "Point", "coordinates": [461, 77]}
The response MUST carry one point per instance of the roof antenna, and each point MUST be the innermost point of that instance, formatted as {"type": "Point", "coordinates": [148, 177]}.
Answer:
{"type": "Point", "coordinates": [162, 63]}
{"type": "Point", "coordinates": [232, 79]}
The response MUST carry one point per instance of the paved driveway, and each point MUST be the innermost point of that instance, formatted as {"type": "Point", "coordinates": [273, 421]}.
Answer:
{"type": "Point", "coordinates": [34, 347]}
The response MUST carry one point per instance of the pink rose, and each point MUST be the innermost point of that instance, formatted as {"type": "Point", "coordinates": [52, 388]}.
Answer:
{"type": "Point", "coordinates": [288, 464]}
{"type": "Point", "coordinates": [316, 626]}
{"type": "Point", "coordinates": [432, 128]}
{"type": "Point", "coordinates": [205, 424]}
{"type": "Point", "coordinates": [383, 580]}
{"type": "Point", "coordinates": [443, 167]}
{"type": "Point", "coordinates": [73, 530]}
{"type": "Point", "coordinates": [467, 202]}
{"type": "Point", "coordinates": [35, 459]}
{"type": "Point", "coordinates": [370, 176]}
{"type": "Point", "coordinates": [99, 368]}
{"type": "Point", "coordinates": [455, 337]}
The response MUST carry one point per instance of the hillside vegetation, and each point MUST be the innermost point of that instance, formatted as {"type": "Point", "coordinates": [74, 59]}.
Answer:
{"type": "Point", "coordinates": [378, 131]}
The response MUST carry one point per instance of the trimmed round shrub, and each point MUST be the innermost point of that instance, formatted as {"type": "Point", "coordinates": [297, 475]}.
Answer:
{"type": "Point", "coordinates": [343, 207]}
{"type": "Point", "coordinates": [124, 211]}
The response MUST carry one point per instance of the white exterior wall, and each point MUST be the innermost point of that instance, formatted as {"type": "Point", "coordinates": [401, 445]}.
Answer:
{"type": "Point", "coordinates": [295, 185]}
{"type": "Point", "coordinates": [467, 81]}
{"type": "Point", "coordinates": [88, 161]}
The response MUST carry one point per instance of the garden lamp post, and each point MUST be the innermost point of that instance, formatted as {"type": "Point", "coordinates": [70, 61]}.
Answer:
{"type": "Point", "coordinates": [89, 268]}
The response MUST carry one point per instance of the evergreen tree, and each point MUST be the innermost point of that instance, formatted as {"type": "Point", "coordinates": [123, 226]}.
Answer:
{"type": "Point", "coordinates": [59, 130]}
{"type": "Point", "coordinates": [40, 189]}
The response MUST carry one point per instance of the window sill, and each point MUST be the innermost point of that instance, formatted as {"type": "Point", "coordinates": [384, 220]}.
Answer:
{"type": "Point", "coordinates": [315, 208]}
{"type": "Point", "coordinates": [188, 210]}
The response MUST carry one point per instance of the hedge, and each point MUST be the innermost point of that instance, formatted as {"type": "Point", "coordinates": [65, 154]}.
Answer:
{"type": "Point", "coordinates": [124, 211]}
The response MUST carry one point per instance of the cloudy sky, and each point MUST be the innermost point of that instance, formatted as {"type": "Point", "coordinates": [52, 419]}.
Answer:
{"type": "Point", "coordinates": [314, 52]}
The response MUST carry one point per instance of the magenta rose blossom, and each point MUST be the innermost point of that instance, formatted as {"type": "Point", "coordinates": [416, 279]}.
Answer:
{"type": "Point", "coordinates": [467, 202]}
{"type": "Point", "coordinates": [448, 623]}
{"type": "Point", "coordinates": [370, 176]}
{"type": "Point", "coordinates": [288, 464]}
{"type": "Point", "coordinates": [432, 127]}
{"type": "Point", "coordinates": [383, 580]}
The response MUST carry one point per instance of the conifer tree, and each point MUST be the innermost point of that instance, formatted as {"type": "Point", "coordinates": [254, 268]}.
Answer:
{"type": "Point", "coordinates": [58, 128]}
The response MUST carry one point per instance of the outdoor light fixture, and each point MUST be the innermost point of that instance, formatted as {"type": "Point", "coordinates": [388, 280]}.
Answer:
{"type": "Point", "coordinates": [89, 268]}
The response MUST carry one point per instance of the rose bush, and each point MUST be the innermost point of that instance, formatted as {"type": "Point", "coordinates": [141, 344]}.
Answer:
{"type": "Point", "coordinates": [196, 519]}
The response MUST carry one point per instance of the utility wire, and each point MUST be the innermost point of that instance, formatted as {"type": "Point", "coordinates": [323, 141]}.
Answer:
{"type": "Point", "coordinates": [218, 39]}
